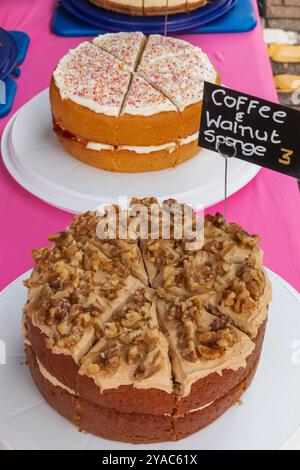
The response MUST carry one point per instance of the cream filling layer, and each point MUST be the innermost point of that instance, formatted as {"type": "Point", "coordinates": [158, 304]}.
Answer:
{"type": "Point", "coordinates": [191, 411]}
{"type": "Point", "coordinates": [24, 331]}
{"type": "Point", "coordinates": [53, 380]}
{"type": "Point", "coordinates": [56, 383]}
{"type": "Point", "coordinates": [171, 146]}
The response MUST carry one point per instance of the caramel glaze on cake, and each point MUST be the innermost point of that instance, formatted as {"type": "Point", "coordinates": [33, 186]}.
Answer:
{"type": "Point", "coordinates": [149, 7]}
{"type": "Point", "coordinates": [145, 333]}
{"type": "Point", "coordinates": [126, 103]}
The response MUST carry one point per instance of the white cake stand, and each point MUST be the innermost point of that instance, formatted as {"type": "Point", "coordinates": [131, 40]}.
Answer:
{"type": "Point", "coordinates": [269, 417]}
{"type": "Point", "coordinates": [36, 160]}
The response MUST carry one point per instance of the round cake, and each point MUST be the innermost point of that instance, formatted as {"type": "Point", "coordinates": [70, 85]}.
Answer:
{"type": "Point", "coordinates": [128, 103]}
{"type": "Point", "coordinates": [145, 340]}
{"type": "Point", "coordinates": [150, 7]}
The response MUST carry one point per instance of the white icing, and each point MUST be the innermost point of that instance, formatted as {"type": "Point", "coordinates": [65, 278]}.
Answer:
{"type": "Point", "coordinates": [200, 408]}
{"type": "Point", "coordinates": [170, 146]}
{"type": "Point", "coordinates": [96, 146]}
{"type": "Point", "coordinates": [149, 110]}
{"type": "Point", "coordinates": [96, 107]}
{"type": "Point", "coordinates": [94, 78]}
{"type": "Point", "coordinates": [189, 139]}
{"type": "Point", "coordinates": [153, 148]}
{"type": "Point", "coordinates": [191, 411]}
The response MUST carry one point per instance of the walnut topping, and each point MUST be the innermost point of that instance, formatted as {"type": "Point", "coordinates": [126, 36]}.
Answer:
{"type": "Point", "coordinates": [64, 327]}
{"type": "Point", "coordinates": [238, 298]}
{"type": "Point", "coordinates": [246, 239]}
{"type": "Point", "coordinates": [131, 319]}
{"type": "Point", "coordinates": [108, 358]}
{"type": "Point", "coordinates": [146, 201]}
{"type": "Point", "coordinates": [219, 323]}
{"type": "Point", "coordinates": [164, 252]}
{"type": "Point", "coordinates": [218, 232]}
{"type": "Point", "coordinates": [112, 330]}
{"type": "Point", "coordinates": [58, 312]}
{"type": "Point", "coordinates": [199, 334]}
{"type": "Point", "coordinates": [80, 285]}
{"type": "Point", "coordinates": [169, 276]}
{"type": "Point", "coordinates": [151, 365]}
{"type": "Point", "coordinates": [199, 273]}
{"type": "Point", "coordinates": [224, 338]}
{"type": "Point", "coordinates": [217, 220]}
{"type": "Point", "coordinates": [133, 354]}
{"type": "Point", "coordinates": [210, 344]}
{"type": "Point", "coordinates": [254, 278]}
{"type": "Point", "coordinates": [145, 354]}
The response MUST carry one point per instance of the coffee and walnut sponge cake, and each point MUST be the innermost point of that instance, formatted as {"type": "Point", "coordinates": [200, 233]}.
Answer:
{"type": "Point", "coordinates": [129, 103]}
{"type": "Point", "coordinates": [145, 340]}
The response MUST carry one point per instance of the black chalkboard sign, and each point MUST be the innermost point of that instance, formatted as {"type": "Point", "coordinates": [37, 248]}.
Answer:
{"type": "Point", "coordinates": [263, 133]}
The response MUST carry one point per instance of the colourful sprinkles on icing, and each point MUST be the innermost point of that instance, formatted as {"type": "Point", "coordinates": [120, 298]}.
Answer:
{"type": "Point", "coordinates": [159, 47]}
{"type": "Point", "coordinates": [93, 78]}
{"type": "Point", "coordinates": [143, 99]}
{"type": "Point", "coordinates": [173, 73]}
{"type": "Point", "coordinates": [180, 78]}
{"type": "Point", "coordinates": [125, 46]}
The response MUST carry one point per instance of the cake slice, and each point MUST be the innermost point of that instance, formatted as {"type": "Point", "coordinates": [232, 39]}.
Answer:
{"type": "Point", "coordinates": [95, 89]}
{"type": "Point", "coordinates": [117, 246]}
{"type": "Point", "coordinates": [144, 101]}
{"type": "Point", "coordinates": [198, 65]}
{"type": "Point", "coordinates": [126, 47]}
{"type": "Point", "coordinates": [128, 253]}
{"type": "Point", "coordinates": [73, 290]}
{"type": "Point", "coordinates": [178, 74]}
{"type": "Point", "coordinates": [245, 299]}
{"type": "Point", "coordinates": [158, 254]}
{"type": "Point", "coordinates": [180, 77]}
{"type": "Point", "coordinates": [227, 273]}
{"type": "Point", "coordinates": [205, 350]}
{"type": "Point", "coordinates": [175, 230]}
{"type": "Point", "coordinates": [129, 366]}
{"type": "Point", "coordinates": [159, 48]}
{"type": "Point", "coordinates": [91, 77]}
{"type": "Point", "coordinates": [158, 246]}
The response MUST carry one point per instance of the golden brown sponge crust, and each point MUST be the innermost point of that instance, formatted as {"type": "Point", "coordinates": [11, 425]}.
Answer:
{"type": "Point", "coordinates": [135, 427]}
{"type": "Point", "coordinates": [127, 161]}
{"type": "Point", "coordinates": [127, 398]}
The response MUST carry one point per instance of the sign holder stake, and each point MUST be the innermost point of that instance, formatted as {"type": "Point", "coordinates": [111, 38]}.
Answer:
{"type": "Point", "coordinates": [226, 149]}
{"type": "Point", "coordinates": [166, 20]}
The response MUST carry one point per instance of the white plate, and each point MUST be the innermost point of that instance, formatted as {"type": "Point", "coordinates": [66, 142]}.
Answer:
{"type": "Point", "coordinates": [34, 157]}
{"type": "Point", "coordinates": [269, 417]}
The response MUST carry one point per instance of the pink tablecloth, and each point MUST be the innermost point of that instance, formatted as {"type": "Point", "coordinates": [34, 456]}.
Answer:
{"type": "Point", "coordinates": [269, 205]}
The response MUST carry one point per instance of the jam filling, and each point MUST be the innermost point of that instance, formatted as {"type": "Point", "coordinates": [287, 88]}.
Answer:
{"type": "Point", "coordinates": [61, 132]}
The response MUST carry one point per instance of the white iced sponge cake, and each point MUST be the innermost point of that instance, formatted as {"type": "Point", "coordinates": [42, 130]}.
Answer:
{"type": "Point", "coordinates": [128, 103]}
